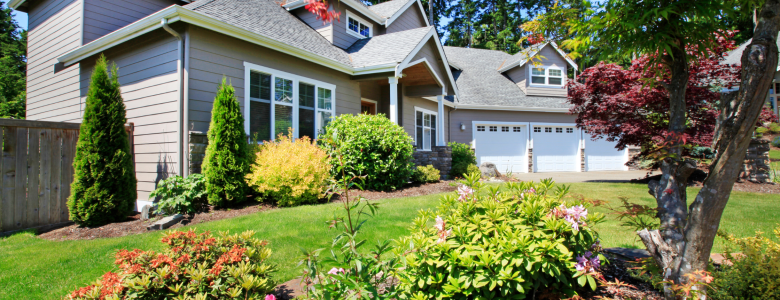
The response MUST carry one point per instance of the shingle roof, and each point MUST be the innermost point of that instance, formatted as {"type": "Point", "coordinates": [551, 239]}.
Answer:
{"type": "Point", "coordinates": [735, 56]}
{"type": "Point", "coordinates": [523, 56]}
{"type": "Point", "coordinates": [268, 18]}
{"type": "Point", "coordinates": [389, 8]}
{"type": "Point", "coordinates": [386, 48]}
{"type": "Point", "coordinates": [480, 83]}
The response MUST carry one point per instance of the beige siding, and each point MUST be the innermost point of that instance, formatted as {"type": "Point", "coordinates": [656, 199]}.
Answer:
{"type": "Point", "coordinates": [326, 30]}
{"type": "Point", "coordinates": [409, 118]}
{"type": "Point", "coordinates": [431, 53]}
{"type": "Point", "coordinates": [150, 89]}
{"type": "Point", "coordinates": [214, 55]}
{"type": "Point", "coordinates": [54, 29]}
{"type": "Point", "coordinates": [105, 16]}
{"type": "Point", "coordinates": [410, 19]}
{"type": "Point", "coordinates": [343, 39]}
{"type": "Point", "coordinates": [549, 57]}
{"type": "Point", "coordinates": [467, 116]}
{"type": "Point", "coordinates": [519, 75]}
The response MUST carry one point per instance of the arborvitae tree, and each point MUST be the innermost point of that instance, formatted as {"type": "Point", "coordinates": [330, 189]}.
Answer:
{"type": "Point", "coordinates": [226, 163]}
{"type": "Point", "coordinates": [104, 185]}
{"type": "Point", "coordinates": [13, 65]}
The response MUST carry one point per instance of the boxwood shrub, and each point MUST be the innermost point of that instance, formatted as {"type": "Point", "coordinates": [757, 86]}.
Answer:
{"type": "Point", "coordinates": [463, 160]}
{"type": "Point", "coordinates": [501, 243]}
{"type": "Point", "coordinates": [370, 146]}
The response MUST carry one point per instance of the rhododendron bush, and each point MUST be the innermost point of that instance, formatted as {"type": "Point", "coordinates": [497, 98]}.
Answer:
{"type": "Point", "coordinates": [193, 266]}
{"type": "Point", "coordinates": [502, 243]}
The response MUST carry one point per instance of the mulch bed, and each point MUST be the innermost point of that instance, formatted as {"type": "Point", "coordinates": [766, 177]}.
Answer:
{"type": "Point", "coordinates": [697, 178]}
{"type": "Point", "coordinates": [134, 225]}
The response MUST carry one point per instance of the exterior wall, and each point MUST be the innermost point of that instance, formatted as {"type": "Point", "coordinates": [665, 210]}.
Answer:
{"type": "Point", "coordinates": [430, 52]}
{"type": "Point", "coordinates": [408, 117]}
{"type": "Point", "coordinates": [150, 88]}
{"type": "Point", "coordinates": [326, 30]}
{"type": "Point", "coordinates": [343, 39]}
{"type": "Point", "coordinates": [519, 76]}
{"type": "Point", "coordinates": [440, 157]}
{"type": "Point", "coordinates": [551, 58]}
{"type": "Point", "coordinates": [54, 29]}
{"type": "Point", "coordinates": [213, 55]}
{"type": "Point", "coordinates": [466, 116]}
{"type": "Point", "coordinates": [410, 19]}
{"type": "Point", "coordinates": [105, 16]}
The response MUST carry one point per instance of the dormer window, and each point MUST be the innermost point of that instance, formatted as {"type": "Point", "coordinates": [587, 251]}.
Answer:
{"type": "Point", "coordinates": [358, 27]}
{"type": "Point", "coordinates": [546, 76]}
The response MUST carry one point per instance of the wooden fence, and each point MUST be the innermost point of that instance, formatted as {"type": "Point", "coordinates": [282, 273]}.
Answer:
{"type": "Point", "coordinates": [37, 170]}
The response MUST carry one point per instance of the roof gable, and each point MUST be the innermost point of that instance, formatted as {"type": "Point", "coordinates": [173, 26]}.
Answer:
{"type": "Point", "coordinates": [525, 55]}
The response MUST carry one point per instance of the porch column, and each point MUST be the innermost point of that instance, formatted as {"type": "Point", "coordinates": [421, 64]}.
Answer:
{"type": "Point", "coordinates": [440, 120]}
{"type": "Point", "coordinates": [393, 99]}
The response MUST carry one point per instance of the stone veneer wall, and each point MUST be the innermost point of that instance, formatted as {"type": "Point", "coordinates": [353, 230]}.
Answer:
{"type": "Point", "coordinates": [198, 142]}
{"type": "Point", "coordinates": [756, 167]}
{"type": "Point", "coordinates": [439, 156]}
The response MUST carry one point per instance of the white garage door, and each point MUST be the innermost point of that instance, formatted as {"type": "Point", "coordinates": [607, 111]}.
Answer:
{"type": "Point", "coordinates": [503, 145]}
{"type": "Point", "coordinates": [556, 148]}
{"type": "Point", "coordinates": [601, 155]}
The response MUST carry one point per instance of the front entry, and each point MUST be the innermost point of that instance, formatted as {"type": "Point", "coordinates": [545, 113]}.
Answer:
{"type": "Point", "coordinates": [368, 107]}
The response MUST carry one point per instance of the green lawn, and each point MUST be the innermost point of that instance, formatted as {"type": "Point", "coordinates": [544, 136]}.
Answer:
{"type": "Point", "coordinates": [775, 154]}
{"type": "Point", "coordinates": [32, 268]}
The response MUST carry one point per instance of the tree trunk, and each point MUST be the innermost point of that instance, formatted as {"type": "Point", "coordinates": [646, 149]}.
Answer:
{"type": "Point", "coordinates": [684, 243]}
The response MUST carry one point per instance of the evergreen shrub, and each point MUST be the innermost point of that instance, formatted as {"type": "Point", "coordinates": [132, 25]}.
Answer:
{"type": "Point", "coordinates": [370, 146]}
{"type": "Point", "coordinates": [290, 172]}
{"type": "Point", "coordinates": [426, 174]}
{"type": "Point", "coordinates": [226, 163]}
{"type": "Point", "coordinates": [462, 160]}
{"type": "Point", "coordinates": [753, 274]}
{"type": "Point", "coordinates": [104, 183]}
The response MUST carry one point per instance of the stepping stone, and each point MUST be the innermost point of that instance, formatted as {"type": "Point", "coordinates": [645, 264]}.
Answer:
{"type": "Point", "coordinates": [165, 222]}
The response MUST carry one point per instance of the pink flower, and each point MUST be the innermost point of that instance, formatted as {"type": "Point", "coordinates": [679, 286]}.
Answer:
{"type": "Point", "coordinates": [440, 226]}
{"type": "Point", "coordinates": [443, 236]}
{"type": "Point", "coordinates": [587, 262]}
{"type": "Point", "coordinates": [439, 223]}
{"type": "Point", "coordinates": [270, 297]}
{"type": "Point", "coordinates": [464, 192]}
{"type": "Point", "coordinates": [334, 271]}
{"type": "Point", "coordinates": [342, 270]}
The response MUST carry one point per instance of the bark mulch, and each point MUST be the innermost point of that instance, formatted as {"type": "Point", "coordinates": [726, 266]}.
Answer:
{"type": "Point", "coordinates": [134, 225]}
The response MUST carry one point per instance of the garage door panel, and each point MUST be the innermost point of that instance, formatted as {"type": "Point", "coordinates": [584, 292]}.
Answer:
{"type": "Point", "coordinates": [506, 149]}
{"type": "Point", "coordinates": [556, 150]}
{"type": "Point", "coordinates": [601, 155]}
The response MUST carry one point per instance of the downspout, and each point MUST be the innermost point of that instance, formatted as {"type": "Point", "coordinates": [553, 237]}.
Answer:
{"type": "Point", "coordinates": [180, 73]}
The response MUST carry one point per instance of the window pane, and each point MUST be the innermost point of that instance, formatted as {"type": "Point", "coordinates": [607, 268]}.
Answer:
{"type": "Point", "coordinates": [427, 139]}
{"type": "Point", "coordinates": [419, 141]}
{"type": "Point", "coordinates": [537, 71]}
{"type": "Point", "coordinates": [260, 120]}
{"type": "Point", "coordinates": [353, 25]}
{"type": "Point", "coordinates": [363, 30]}
{"type": "Point", "coordinates": [306, 95]}
{"type": "Point", "coordinates": [284, 90]}
{"type": "Point", "coordinates": [427, 120]}
{"type": "Point", "coordinates": [538, 80]}
{"type": "Point", "coordinates": [306, 122]}
{"type": "Point", "coordinates": [260, 86]}
{"type": "Point", "coordinates": [434, 137]}
{"type": "Point", "coordinates": [419, 118]}
{"type": "Point", "coordinates": [282, 119]}
{"type": "Point", "coordinates": [556, 81]}
{"type": "Point", "coordinates": [555, 72]}
{"type": "Point", "coordinates": [324, 98]}
{"type": "Point", "coordinates": [433, 130]}
{"type": "Point", "coordinates": [324, 120]}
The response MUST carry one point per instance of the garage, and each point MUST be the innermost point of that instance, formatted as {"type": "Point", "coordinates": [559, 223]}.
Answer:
{"type": "Point", "coordinates": [601, 155]}
{"type": "Point", "coordinates": [505, 145]}
{"type": "Point", "coordinates": [556, 148]}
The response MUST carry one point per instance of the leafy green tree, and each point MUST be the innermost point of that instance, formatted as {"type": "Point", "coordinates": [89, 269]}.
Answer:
{"type": "Point", "coordinates": [13, 66]}
{"type": "Point", "coordinates": [674, 35]}
{"type": "Point", "coordinates": [226, 163]}
{"type": "Point", "coordinates": [104, 185]}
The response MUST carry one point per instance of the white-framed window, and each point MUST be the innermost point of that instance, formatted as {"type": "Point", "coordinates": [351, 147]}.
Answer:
{"type": "Point", "coordinates": [516, 129]}
{"type": "Point", "coordinates": [425, 128]}
{"type": "Point", "coordinates": [277, 100]}
{"type": "Point", "coordinates": [546, 76]}
{"type": "Point", "coordinates": [480, 128]}
{"type": "Point", "coordinates": [358, 27]}
{"type": "Point", "coordinates": [569, 130]}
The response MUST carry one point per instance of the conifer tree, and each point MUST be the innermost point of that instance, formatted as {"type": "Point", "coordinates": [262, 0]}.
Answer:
{"type": "Point", "coordinates": [226, 163]}
{"type": "Point", "coordinates": [104, 184]}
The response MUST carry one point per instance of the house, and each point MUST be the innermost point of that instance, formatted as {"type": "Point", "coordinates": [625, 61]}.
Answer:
{"type": "Point", "coordinates": [292, 70]}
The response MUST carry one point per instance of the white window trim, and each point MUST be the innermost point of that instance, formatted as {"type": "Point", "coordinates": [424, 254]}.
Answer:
{"type": "Point", "coordinates": [433, 126]}
{"type": "Point", "coordinates": [362, 21]}
{"type": "Point", "coordinates": [546, 76]}
{"type": "Point", "coordinates": [249, 67]}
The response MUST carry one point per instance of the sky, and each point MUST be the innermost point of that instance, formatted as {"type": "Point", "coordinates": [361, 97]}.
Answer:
{"type": "Point", "coordinates": [20, 18]}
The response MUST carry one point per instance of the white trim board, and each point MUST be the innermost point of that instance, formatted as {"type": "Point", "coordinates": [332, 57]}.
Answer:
{"type": "Point", "coordinates": [403, 9]}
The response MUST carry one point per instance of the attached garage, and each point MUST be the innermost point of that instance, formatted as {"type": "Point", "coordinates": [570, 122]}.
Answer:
{"type": "Point", "coordinates": [601, 155]}
{"type": "Point", "coordinates": [503, 144]}
{"type": "Point", "coordinates": [556, 148]}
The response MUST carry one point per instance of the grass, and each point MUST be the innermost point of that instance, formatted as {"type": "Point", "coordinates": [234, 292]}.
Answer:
{"type": "Point", "coordinates": [33, 268]}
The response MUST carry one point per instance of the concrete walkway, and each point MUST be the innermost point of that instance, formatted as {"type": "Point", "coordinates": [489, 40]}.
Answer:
{"type": "Point", "coordinates": [602, 176]}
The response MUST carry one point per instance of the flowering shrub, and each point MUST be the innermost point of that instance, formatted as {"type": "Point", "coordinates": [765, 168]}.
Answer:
{"type": "Point", "coordinates": [501, 243]}
{"type": "Point", "coordinates": [180, 195]}
{"type": "Point", "coordinates": [373, 147]}
{"type": "Point", "coordinates": [193, 266]}
{"type": "Point", "coordinates": [290, 172]}
{"type": "Point", "coordinates": [752, 275]}
{"type": "Point", "coordinates": [426, 174]}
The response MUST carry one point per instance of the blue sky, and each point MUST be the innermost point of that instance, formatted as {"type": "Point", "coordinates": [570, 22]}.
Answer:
{"type": "Point", "coordinates": [20, 18]}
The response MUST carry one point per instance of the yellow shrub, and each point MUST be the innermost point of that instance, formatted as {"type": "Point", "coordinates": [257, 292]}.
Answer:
{"type": "Point", "coordinates": [290, 172]}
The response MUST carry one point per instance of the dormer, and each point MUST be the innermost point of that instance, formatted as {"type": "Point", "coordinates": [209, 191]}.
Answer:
{"type": "Point", "coordinates": [359, 21]}
{"type": "Point", "coordinates": [539, 70]}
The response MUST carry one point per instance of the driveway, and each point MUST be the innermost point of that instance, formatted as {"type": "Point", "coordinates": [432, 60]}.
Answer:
{"type": "Point", "coordinates": [602, 176]}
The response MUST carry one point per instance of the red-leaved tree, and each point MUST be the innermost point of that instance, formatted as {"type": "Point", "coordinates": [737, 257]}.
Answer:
{"type": "Point", "coordinates": [618, 104]}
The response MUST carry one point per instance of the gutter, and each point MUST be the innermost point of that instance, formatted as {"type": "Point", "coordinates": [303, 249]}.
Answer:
{"type": "Point", "coordinates": [180, 70]}
{"type": "Point", "coordinates": [510, 108]}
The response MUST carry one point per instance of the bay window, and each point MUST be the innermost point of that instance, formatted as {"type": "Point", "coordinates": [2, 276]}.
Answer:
{"type": "Point", "coordinates": [277, 101]}
{"type": "Point", "coordinates": [425, 129]}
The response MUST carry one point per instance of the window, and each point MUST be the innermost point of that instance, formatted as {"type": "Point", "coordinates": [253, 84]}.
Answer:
{"type": "Point", "coordinates": [480, 128]}
{"type": "Point", "coordinates": [493, 128]}
{"type": "Point", "coordinates": [358, 27]}
{"type": "Point", "coordinates": [558, 130]}
{"type": "Point", "coordinates": [569, 130]}
{"type": "Point", "coordinates": [504, 128]}
{"type": "Point", "coordinates": [546, 76]}
{"type": "Point", "coordinates": [425, 131]}
{"type": "Point", "coordinates": [537, 129]}
{"type": "Point", "coordinates": [516, 129]}
{"type": "Point", "coordinates": [278, 101]}
{"type": "Point", "coordinates": [548, 129]}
